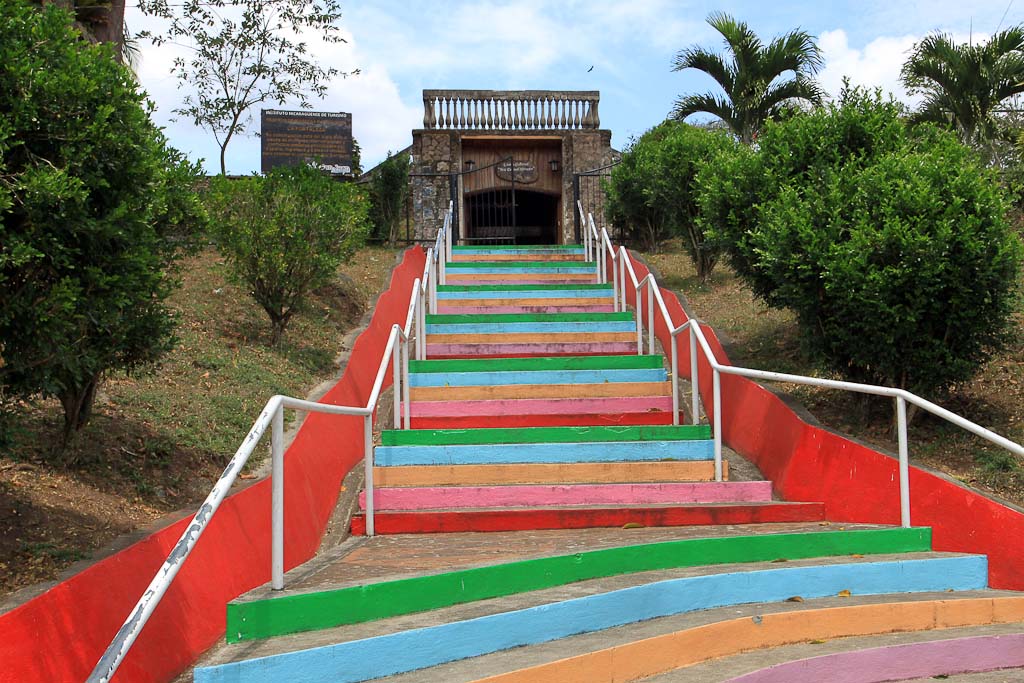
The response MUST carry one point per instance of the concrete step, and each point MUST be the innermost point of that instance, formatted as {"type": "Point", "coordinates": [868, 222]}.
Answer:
{"type": "Point", "coordinates": [409, 643]}
{"type": "Point", "coordinates": [505, 378]}
{"type": "Point", "coordinates": [320, 603]}
{"type": "Point", "coordinates": [580, 346]}
{"type": "Point", "coordinates": [538, 363]}
{"type": "Point", "coordinates": [456, 437]}
{"type": "Point", "coordinates": [504, 392]}
{"type": "Point", "coordinates": [507, 519]}
{"type": "Point", "coordinates": [547, 473]}
{"type": "Point", "coordinates": [680, 645]}
{"type": "Point", "coordinates": [657, 416]}
{"type": "Point", "coordinates": [562, 495]}
{"type": "Point", "coordinates": [558, 452]}
{"type": "Point", "coordinates": [917, 655]}
{"type": "Point", "coordinates": [536, 409]}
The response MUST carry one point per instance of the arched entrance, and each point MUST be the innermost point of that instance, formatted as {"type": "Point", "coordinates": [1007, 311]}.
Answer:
{"type": "Point", "coordinates": [512, 216]}
{"type": "Point", "coordinates": [511, 190]}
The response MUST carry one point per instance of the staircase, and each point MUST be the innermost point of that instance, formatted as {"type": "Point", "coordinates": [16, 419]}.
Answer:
{"type": "Point", "coordinates": [612, 553]}
{"type": "Point", "coordinates": [528, 418]}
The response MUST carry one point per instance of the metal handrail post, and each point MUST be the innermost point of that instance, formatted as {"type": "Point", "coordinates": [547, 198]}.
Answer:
{"type": "Point", "coordinates": [717, 389]}
{"type": "Point", "coordinates": [405, 385]}
{"type": "Point", "coordinates": [622, 278]}
{"type": "Point", "coordinates": [277, 499]}
{"type": "Point", "coordinates": [694, 377]}
{"type": "Point", "coordinates": [901, 419]}
{"type": "Point", "coordinates": [368, 470]}
{"type": "Point", "coordinates": [639, 323]}
{"type": "Point", "coordinates": [675, 379]}
{"type": "Point", "coordinates": [396, 378]}
{"type": "Point", "coordinates": [615, 282]}
{"type": "Point", "coordinates": [650, 315]}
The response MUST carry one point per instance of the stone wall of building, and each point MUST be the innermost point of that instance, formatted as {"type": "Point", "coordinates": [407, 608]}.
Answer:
{"type": "Point", "coordinates": [438, 153]}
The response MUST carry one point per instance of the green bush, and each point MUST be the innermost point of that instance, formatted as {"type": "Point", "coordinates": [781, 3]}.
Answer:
{"type": "Point", "coordinates": [285, 234]}
{"type": "Point", "coordinates": [892, 248]}
{"type": "Point", "coordinates": [92, 207]}
{"type": "Point", "coordinates": [652, 192]}
{"type": "Point", "coordinates": [389, 190]}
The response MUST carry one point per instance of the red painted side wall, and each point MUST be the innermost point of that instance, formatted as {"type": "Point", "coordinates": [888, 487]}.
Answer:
{"type": "Point", "coordinates": [856, 483]}
{"type": "Point", "coordinates": [60, 635]}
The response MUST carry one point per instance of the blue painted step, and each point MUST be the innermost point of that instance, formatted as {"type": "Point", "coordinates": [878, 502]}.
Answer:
{"type": "Point", "coordinates": [528, 328]}
{"type": "Point", "coordinates": [636, 451]}
{"type": "Point", "coordinates": [477, 379]}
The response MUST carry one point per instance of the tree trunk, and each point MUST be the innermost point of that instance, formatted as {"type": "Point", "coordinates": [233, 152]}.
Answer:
{"type": "Point", "coordinates": [77, 403]}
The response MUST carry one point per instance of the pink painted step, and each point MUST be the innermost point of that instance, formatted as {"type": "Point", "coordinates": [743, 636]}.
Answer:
{"type": "Point", "coordinates": [541, 406]}
{"type": "Point", "coordinates": [530, 349]}
{"type": "Point", "coordinates": [474, 310]}
{"type": "Point", "coordinates": [480, 280]}
{"type": "Point", "coordinates": [449, 497]}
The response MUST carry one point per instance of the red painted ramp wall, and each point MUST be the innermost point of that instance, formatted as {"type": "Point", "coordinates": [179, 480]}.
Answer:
{"type": "Point", "coordinates": [856, 483]}
{"type": "Point", "coordinates": [60, 635]}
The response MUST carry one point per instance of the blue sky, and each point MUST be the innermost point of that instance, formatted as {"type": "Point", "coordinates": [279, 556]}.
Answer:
{"type": "Point", "coordinates": [403, 47]}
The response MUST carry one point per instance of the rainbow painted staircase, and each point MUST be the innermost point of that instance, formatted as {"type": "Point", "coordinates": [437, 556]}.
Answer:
{"type": "Point", "coordinates": [613, 554]}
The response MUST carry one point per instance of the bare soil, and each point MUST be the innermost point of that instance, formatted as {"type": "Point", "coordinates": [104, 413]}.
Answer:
{"type": "Point", "coordinates": [158, 441]}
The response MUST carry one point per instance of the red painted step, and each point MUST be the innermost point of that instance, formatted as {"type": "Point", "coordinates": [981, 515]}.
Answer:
{"type": "Point", "coordinates": [661, 417]}
{"type": "Point", "coordinates": [439, 521]}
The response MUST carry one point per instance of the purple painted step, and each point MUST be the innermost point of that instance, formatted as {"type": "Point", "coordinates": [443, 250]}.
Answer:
{"type": "Point", "coordinates": [541, 406]}
{"type": "Point", "coordinates": [900, 662]}
{"type": "Point", "coordinates": [526, 280]}
{"type": "Point", "coordinates": [531, 349]}
{"type": "Point", "coordinates": [424, 498]}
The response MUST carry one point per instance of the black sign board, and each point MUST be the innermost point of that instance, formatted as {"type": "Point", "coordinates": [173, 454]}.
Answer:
{"type": "Point", "coordinates": [313, 137]}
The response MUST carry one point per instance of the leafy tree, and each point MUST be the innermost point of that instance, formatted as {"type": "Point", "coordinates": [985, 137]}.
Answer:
{"type": "Point", "coordinates": [93, 206]}
{"type": "Point", "coordinates": [892, 248]}
{"type": "Point", "coordinates": [285, 234]}
{"type": "Point", "coordinates": [652, 190]}
{"type": "Point", "coordinates": [964, 85]}
{"type": "Point", "coordinates": [245, 52]}
{"type": "Point", "coordinates": [752, 76]}
{"type": "Point", "coordinates": [389, 190]}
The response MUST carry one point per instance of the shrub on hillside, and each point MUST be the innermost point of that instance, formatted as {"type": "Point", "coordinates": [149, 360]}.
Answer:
{"type": "Point", "coordinates": [652, 192]}
{"type": "Point", "coordinates": [389, 190]}
{"type": "Point", "coordinates": [893, 248]}
{"type": "Point", "coordinates": [285, 234]}
{"type": "Point", "coordinates": [92, 207]}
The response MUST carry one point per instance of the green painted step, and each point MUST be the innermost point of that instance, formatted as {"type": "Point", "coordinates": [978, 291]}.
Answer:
{"type": "Point", "coordinates": [628, 362]}
{"type": "Point", "coordinates": [453, 318]}
{"type": "Point", "coordinates": [358, 604]}
{"type": "Point", "coordinates": [468, 437]}
{"type": "Point", "coordinates": [578, 265]}
{"type": "Point", "coordinates": [513, 247]}
{"type": "Point", "coordinates": [521, 288]}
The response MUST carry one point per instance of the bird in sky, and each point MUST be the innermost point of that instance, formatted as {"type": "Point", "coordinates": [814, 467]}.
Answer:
{"type": "Point", "coordinates": [590, 69]}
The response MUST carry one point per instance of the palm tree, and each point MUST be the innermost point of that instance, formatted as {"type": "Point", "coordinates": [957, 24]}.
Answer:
{"type": "Point", "coordinates": [752, 76]}
{"type": "Point", "coordinates": [963, 85]}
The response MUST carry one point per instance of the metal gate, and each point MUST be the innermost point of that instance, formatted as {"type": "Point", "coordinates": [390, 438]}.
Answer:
{"type": "Point", "coordinates": [489, 216]}
{"type": "Point", "coordinates": [588, 189]}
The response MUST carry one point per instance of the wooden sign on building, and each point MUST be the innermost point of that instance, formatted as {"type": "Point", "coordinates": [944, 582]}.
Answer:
{"type": "Point", "coordinates": [288, 138]}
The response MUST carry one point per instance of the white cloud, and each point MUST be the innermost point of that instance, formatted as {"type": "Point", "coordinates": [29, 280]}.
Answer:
{"type": "Point", "coordinates": [877, 64]}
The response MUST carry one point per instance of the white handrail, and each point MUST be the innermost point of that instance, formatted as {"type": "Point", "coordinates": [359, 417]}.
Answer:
{"type": "Point", "coordinates": [902, 396]}
{"type": "Point", "coordinates": [396, 353]}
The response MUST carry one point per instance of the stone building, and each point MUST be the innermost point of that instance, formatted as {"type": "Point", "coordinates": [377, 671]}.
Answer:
{"type": "Point", "coordinates": [507, 161]}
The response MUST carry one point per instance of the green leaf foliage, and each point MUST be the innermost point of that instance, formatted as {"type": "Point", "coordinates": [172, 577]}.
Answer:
{"type": "Point", "coordinates": [389, 190]}
{"type": "Point", "coordinates": [758, 81]}
{"type": "Point", "coordinates": [93, 210]}
{"type": "Point", "coordinates": [286, 233]}
{"type": "Point", "coordinates": [652, 192]}
{"type": "Point", "coordinates": [893, 248]}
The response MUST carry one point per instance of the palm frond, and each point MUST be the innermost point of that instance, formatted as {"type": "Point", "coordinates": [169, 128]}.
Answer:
{"type": "Point", "coordinates": [707, 103]}
{"type": "Point", "coordinates": [711, 64]}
